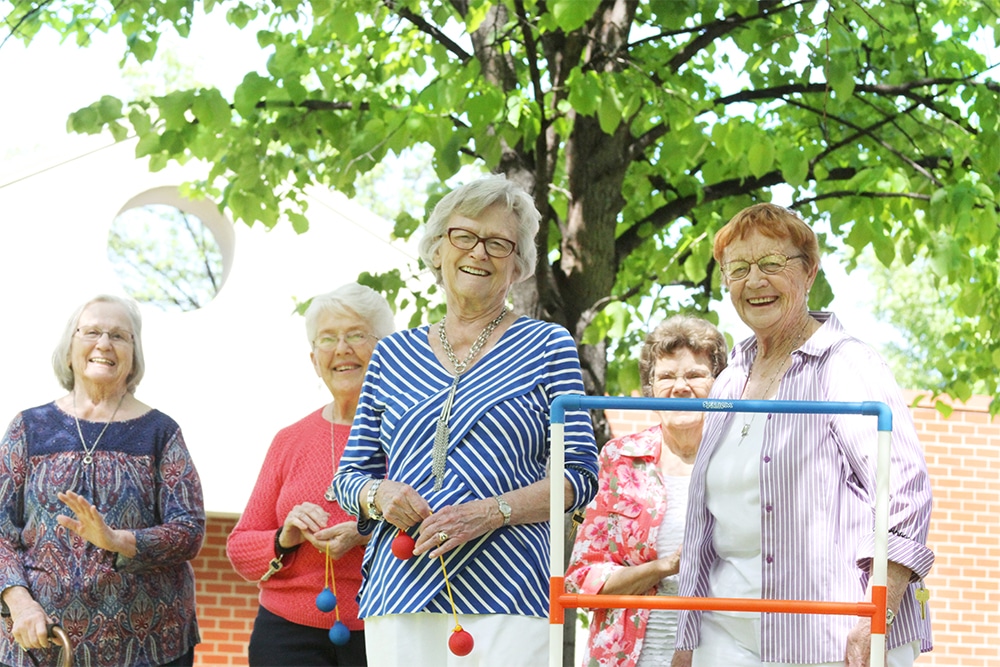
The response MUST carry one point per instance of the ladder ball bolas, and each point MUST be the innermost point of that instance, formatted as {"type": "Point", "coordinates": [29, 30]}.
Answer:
{"type": "Point", "coordinates": [326, 600]}
{"type": "Point", "coordinates": [460, 643]}
{"type": "Point", "coordinates": [339, 634]}
{"type": "Point", "coordinates": [402, 546]}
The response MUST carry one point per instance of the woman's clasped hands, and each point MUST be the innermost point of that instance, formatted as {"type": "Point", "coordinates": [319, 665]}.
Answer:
{"type": "Point", "coordinates": [306, 522]}
{"type": "Point", "coordinates": [442, 531]}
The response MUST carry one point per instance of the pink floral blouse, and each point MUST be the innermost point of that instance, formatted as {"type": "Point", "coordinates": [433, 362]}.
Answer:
{"type": "Point", "coordinates": [619, 531]}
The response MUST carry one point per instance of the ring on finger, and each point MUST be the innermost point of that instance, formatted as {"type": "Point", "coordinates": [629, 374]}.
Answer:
{"type": "Point", "coordinates": [442, 537]}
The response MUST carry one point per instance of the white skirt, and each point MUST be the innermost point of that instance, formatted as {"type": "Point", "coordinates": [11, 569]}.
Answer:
{"type": "Point", "coordinates": [421, 640]}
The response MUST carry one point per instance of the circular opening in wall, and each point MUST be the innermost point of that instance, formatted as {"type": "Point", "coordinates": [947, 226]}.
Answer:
{"type": "Point", "coordinates": [171, 252]}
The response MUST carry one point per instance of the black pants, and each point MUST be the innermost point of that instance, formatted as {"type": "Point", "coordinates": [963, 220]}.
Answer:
{"type": "Point", "coordinates": [276, 642]}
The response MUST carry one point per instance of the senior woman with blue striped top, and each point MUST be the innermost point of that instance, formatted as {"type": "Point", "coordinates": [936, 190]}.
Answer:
{"type": "Point", "coordinates": [781, 506]}
{"type": "Point", "coordinates": [450, 443]}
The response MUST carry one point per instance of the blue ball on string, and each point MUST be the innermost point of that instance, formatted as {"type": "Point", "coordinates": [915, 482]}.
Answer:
{"type": "Point", "coordinates": [339, 634]}
{"type": "Point", "coordinates": [326, 600]}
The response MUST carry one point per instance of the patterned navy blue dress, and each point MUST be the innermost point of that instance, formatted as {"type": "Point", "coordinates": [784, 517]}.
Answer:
{"type": "Point", "coordinates": [118, 611]}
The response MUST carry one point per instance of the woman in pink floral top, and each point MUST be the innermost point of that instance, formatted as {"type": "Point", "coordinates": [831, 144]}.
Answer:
{"type": "Point", "coordinates": [629, 543]}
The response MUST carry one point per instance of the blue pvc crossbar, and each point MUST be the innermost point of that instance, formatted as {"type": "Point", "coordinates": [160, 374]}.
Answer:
{"type": "Point", "coordinates": [581, 402]}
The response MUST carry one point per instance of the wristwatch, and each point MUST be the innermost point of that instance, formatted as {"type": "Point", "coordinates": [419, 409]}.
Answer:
{"type": "Point", "coordinates": [890, 616]}
{"type": "Point", "coordinates": [373, 512]}
{"type": "Point", "coordinates": [504, 510]}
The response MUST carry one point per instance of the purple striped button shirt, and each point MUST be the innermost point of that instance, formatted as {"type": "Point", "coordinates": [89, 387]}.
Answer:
{"type": "Point", "coordinates": [817, 490]}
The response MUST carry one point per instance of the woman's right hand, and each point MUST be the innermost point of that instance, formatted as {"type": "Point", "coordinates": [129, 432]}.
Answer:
{"type": "Point", "coordinates": [30, 623]}
{"type": "Point", "coordinates": [303, 518]}
{"type": "Point", "coordinates": [401, 505]}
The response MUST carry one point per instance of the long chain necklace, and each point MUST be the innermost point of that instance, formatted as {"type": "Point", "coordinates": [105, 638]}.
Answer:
{"type": "Point", "coordinates": [88, 451]}
{"type": "Point", "coordinates": [798, 341]}
{"type": "Point", "coordinates": [330, 495]}
{"type": "Point", "coordinates": [440, 450]}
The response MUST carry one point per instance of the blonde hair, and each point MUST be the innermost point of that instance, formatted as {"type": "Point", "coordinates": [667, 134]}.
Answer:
{"type": "Point", "coordinates": [61, 362]}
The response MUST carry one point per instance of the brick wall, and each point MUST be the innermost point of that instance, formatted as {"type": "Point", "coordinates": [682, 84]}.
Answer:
{"type": "Point", "coordinates": [963, 456]}
{"type": "Point", "coordinates": [227, 604]}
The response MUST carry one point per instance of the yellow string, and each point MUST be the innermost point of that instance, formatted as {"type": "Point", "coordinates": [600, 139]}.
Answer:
{"type": "Point", "coordinates": [447, 586]}
{"type": "Point", "coordinates": [333, 582]}
{"type": "Point", "coordinates": [326, 567]}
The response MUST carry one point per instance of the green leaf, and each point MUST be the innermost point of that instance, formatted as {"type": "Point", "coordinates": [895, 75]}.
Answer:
{"type": "Point", "coordinates": [585, 93]}
{"type": "Point", "coordinates": [571, 14]}
{"type": "Point", "coordinates": [253, 88]}
{"type": "Point", "coordinates": [211, 109]}
{"type": "Point", "coordinates": [609, 111]}
{"type": "Point", "coordinates": [794, 164]}
{"type": "Point", "coordinates": [761, 156]}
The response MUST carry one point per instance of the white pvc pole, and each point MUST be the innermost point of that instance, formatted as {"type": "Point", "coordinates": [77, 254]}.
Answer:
{"type": "Point", "coordinates": [880, 562]}
{"type": "Point", "coordinates": [557, 503]}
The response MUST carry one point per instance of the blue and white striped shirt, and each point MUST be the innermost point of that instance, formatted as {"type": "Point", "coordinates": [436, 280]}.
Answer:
{"type": "Point", "coordinates": [499, 442]}
{"type": "Point", "coordinates": [817, 496]}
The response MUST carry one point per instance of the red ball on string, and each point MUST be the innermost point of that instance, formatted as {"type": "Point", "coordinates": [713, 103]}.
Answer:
{"type": "Point", "coordinates": [402, 546]}
{"type": "Point", "coordinates": [339, 634]}
{"type": "Point", "coordinates": [460, 643]}
{"type": "Point", "coordinates": [326, 600]}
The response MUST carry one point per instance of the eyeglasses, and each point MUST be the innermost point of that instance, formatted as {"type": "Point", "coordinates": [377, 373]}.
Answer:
{"type": "Point", "coordinates": [329, 341]}
{"type": "Point", "coordinates": [93, 334]}
{"type": "Point", "coordinates": [693, 379]}
{"type": "Point", "coordinates": [769, 264]}
{"type": "Point", "coordinates": [496, 246]}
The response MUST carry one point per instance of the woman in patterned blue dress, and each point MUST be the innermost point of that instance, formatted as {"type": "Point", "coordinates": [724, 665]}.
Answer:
{"type": "Point", "coordinates": [450, 443]}
{"type": "Point", "coordinates": [100, 510]}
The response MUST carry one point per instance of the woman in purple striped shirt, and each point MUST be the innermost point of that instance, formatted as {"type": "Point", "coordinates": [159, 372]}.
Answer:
{"type": "Point", "coordinates": [782, 506]}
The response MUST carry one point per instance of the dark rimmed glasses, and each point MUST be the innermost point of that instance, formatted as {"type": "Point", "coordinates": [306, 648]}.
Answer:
{"type": "Point", "coordinates": [495, 246]}
{"type": "Point", "coordinates": [116, 336]}
{"type": "Point", "coordinates": [770, 264]}
{"type": "Point", "coordinates": [329, 341]}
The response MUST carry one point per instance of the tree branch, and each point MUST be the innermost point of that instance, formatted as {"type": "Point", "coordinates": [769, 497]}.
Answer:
{"type": "Point", "coordinates": [864, 194]}
{"type": "Point", "coordinates": [430, 30]}
{"type": "Point", "coordinates": [798, 88]}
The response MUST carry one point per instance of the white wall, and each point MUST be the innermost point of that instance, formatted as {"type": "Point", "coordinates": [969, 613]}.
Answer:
{"type": "Point", "coordinates": [232, 373]}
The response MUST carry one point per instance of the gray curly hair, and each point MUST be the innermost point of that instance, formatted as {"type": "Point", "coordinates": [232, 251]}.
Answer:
{"type": "Point", "coordinates": [676, 333]}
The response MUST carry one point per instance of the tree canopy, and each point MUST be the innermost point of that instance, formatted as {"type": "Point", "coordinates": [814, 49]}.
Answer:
{"type": "Point", "coordinates": [640, 127]}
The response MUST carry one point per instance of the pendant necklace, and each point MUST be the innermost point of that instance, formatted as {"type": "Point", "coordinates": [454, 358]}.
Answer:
{"type": "Point", "coordinates": [88, 451]}
{"type": "Point", "coordinates": [330, 495]}
{"type": "Point", "coordinates": [746, 425]}
{"type": "Point", "coordinates": [440, 450]}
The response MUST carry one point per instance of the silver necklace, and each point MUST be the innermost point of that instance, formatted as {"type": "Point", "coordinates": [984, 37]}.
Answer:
{"type": "Point", "coordinates": [440, 451]}
{"type": "Point", "coordinates": [460, 366]}
{"type": "Point", "coordinates": [330, 495]}
{"type": "Point", "coordinates": [746, 425]}
{"type": "Point", "coordinates": [88, 451]}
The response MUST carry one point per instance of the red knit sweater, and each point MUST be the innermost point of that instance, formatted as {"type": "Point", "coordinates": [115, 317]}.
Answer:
{"type": "Point", "coordinates": [298, 468]}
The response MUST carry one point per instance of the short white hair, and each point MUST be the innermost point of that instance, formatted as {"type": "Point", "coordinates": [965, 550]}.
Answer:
{"type": "Point", "coordinates": [470, 200]}
{"type": "Point", "coordinates": [360, 300]}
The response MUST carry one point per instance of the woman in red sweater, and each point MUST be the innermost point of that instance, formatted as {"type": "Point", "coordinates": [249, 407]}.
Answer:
{"type": "Point", "coordinates": [291, 506]}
